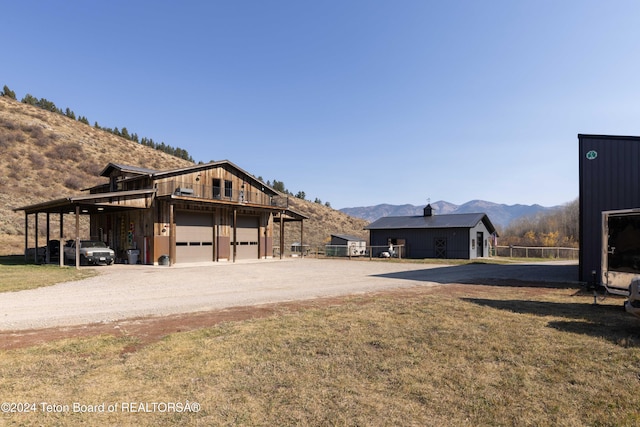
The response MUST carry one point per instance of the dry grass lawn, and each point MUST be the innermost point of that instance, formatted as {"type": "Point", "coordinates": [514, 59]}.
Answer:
{"type": "Point", "coordinates": [15, 275]}
{"type": "Point", "coordinates": [448, 356]}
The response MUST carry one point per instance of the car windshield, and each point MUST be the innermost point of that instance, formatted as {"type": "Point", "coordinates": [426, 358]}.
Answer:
{"type": "Point", "coordinates": [92, 244]}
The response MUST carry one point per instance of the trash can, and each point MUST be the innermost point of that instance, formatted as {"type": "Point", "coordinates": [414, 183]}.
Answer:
{"type": "Point", "coordinates": [163, 260]}
{"type": "Point", "coordinates": [132, 255]}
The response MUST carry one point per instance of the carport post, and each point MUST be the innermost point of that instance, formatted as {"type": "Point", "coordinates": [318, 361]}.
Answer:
{"type": "Point", "coordinates": [235, 235]}
{"type": "Point", "coordinates": [26, 234]}
{"type": "Point", "coordinates": [61, 259]}
{"type": "Point", "coordinates": [78, 237]}
{"type": "Point", "coordinates": [172, 236]}
{"type": "Point", "coordinates": [47, 255]}
{"type": "Point", "coordinates": [35, 253]}
{"type": "Point", "coordinates": [281, 234]}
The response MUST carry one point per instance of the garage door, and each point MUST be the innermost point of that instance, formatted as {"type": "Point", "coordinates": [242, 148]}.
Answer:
{"type": "Point", "coordinates": [247, 237]}
{"type": "Point", "coordinates": [194, 237]}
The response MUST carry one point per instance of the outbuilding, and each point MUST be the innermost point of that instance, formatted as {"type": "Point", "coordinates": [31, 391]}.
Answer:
{"type": "Point", "coordinates": [452, 236]}
{"type": "Point", "coordinates": [609, 180]}
{"type": "Point", "coordinates": [206, 212]}
{"type": "Point", "coordinates": [346, 245]}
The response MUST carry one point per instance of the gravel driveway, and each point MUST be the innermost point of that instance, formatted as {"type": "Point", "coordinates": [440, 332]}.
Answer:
{"type": "Point", "coordinates": [127, 291]}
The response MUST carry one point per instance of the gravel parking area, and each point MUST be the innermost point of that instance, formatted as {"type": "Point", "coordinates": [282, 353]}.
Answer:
{"type": "Point", "coordinates": [133, 291]}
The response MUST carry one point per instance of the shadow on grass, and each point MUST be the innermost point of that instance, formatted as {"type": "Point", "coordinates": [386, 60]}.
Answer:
{"type": "Point", "coordinates": [515, 275]}
{"type": "Point", "coordinates": [14, 260]}
{"type": "Point", "coordinates": [606, 321]}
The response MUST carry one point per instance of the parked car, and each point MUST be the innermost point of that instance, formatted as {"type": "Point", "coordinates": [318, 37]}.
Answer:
{"type": "Point", "coordinates": [91, 252]}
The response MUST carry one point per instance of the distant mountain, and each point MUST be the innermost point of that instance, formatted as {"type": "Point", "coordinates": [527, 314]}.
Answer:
{"type": "Point", "coordinates": [499, 214]}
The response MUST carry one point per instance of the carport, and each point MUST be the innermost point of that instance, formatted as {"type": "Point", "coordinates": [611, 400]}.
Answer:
{"type": "Point", "coordinates": [287, 215]}
{"type": "Point", "coordinates": [81, 205]}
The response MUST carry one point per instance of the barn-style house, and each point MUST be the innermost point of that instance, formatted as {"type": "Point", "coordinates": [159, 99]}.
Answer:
{"type": "Point", "coordinates": [207, 212]}
{"type": "Point", "coordinates": [452, 236]}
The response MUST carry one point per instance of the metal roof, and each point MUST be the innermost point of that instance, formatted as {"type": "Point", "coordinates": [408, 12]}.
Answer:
{"type": "Point", "coordinates": [91, 203]}
{"type": "Point", "coordinates": [468, 220]}
{"type": "Point", "coordinates": [156, 174]}
{"type": "Point", "coordinates": [126, 168]}
{"type": "Point", "coordinates": [349, 237]}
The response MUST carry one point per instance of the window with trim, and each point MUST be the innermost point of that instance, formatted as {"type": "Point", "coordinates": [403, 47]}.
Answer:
{"type": "Point", "coordinates": [228, 189]}
{"type": "Point", "coordinates": [217, 191]}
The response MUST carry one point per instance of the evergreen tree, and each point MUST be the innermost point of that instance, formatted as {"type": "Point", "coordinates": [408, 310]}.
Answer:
{"type": "Point", "coordinates": [279, 186]}
{"type": "Point", "coordinates": [8, 92]}
{"type": "Point", "coordinates": [29, 99]}
{"type": "Point", "coordinates": [45, 104]}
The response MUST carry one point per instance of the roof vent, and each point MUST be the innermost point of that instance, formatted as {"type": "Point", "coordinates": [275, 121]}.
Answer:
{"type": "Point", "coordinates": [428, 210]}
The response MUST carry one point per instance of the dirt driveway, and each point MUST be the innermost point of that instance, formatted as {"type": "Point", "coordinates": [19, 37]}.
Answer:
{"type": "Point", "coordinates": [158, 300]}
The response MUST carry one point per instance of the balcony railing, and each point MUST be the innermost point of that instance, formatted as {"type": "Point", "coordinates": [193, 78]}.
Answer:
{"type": "Point", "coordinates": [224, 194]}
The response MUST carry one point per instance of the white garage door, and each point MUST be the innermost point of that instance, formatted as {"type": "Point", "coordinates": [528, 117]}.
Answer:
{"type": "Point", "coordinates": [247, 237]}
{"type": "Point", "coordinates": [194, 237]}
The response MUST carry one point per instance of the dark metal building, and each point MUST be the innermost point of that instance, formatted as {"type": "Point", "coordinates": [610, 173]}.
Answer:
{"type": "Point", "coordinates": [456, 236]}
{"type": "Point", "coordinates": [609, 170]}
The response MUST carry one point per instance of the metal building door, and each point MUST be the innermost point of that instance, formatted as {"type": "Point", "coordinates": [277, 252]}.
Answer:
{"type": "Point", "coordinates": [441, 247]}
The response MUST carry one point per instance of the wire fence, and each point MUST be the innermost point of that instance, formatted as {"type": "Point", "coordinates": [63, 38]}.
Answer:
{"type": "Point", "coordinates": [358, 251]}
{"type": "Point", "coordinates": [398, 251]}
{"type": "Point", "coordinates": [537, 252]}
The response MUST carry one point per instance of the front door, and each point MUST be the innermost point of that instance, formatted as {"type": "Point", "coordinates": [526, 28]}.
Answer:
{"type": "Point", "coordinates": [480, 244]}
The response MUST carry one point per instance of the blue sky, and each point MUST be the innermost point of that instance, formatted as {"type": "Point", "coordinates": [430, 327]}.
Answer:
{"type": "Point", "coordinates": [353, 102]}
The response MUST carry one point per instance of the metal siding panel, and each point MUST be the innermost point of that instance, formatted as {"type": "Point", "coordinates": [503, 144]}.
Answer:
{"type": "Point", "coordinates": [420, 243]}
{"type": "Point", "coordinates": [608, 182]}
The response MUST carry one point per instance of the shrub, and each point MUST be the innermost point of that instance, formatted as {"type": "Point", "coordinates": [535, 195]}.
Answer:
{"type": "Point", "coordinates": [73, 183]}
{"type": "Point", "coordinates": [37, 160]}
{"type": "Point", "coordinates": [71, 151]}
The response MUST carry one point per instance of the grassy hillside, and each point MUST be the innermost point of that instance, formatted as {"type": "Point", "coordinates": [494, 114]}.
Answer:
{"type": "Point", "coordinates": [322, 223]}
{"type": "Point", "coordinates": [47, 155]}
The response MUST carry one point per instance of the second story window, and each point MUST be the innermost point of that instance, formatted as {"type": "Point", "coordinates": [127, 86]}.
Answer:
{"type": "Point", "coordinates": [228, 189]}
{"type": "Point", "coordinates": [217, 191]}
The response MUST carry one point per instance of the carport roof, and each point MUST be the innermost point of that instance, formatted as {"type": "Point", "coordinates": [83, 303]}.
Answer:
{"type": "Point", "coordinates": [93, 203]}
{"type": "Point", "coordinates": [286, 215]}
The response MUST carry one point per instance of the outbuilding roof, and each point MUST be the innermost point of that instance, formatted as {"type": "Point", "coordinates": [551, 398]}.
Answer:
{"type": "Point", "coordinates": [467, 220]}
{"type": "Point", "coordinates": [126, 169]}
{"type": "Point", "coordinates": [348, 237]}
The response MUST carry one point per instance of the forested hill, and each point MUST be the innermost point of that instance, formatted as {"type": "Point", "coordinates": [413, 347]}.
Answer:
{"type": "Point", "coordinates": [47, 155]}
